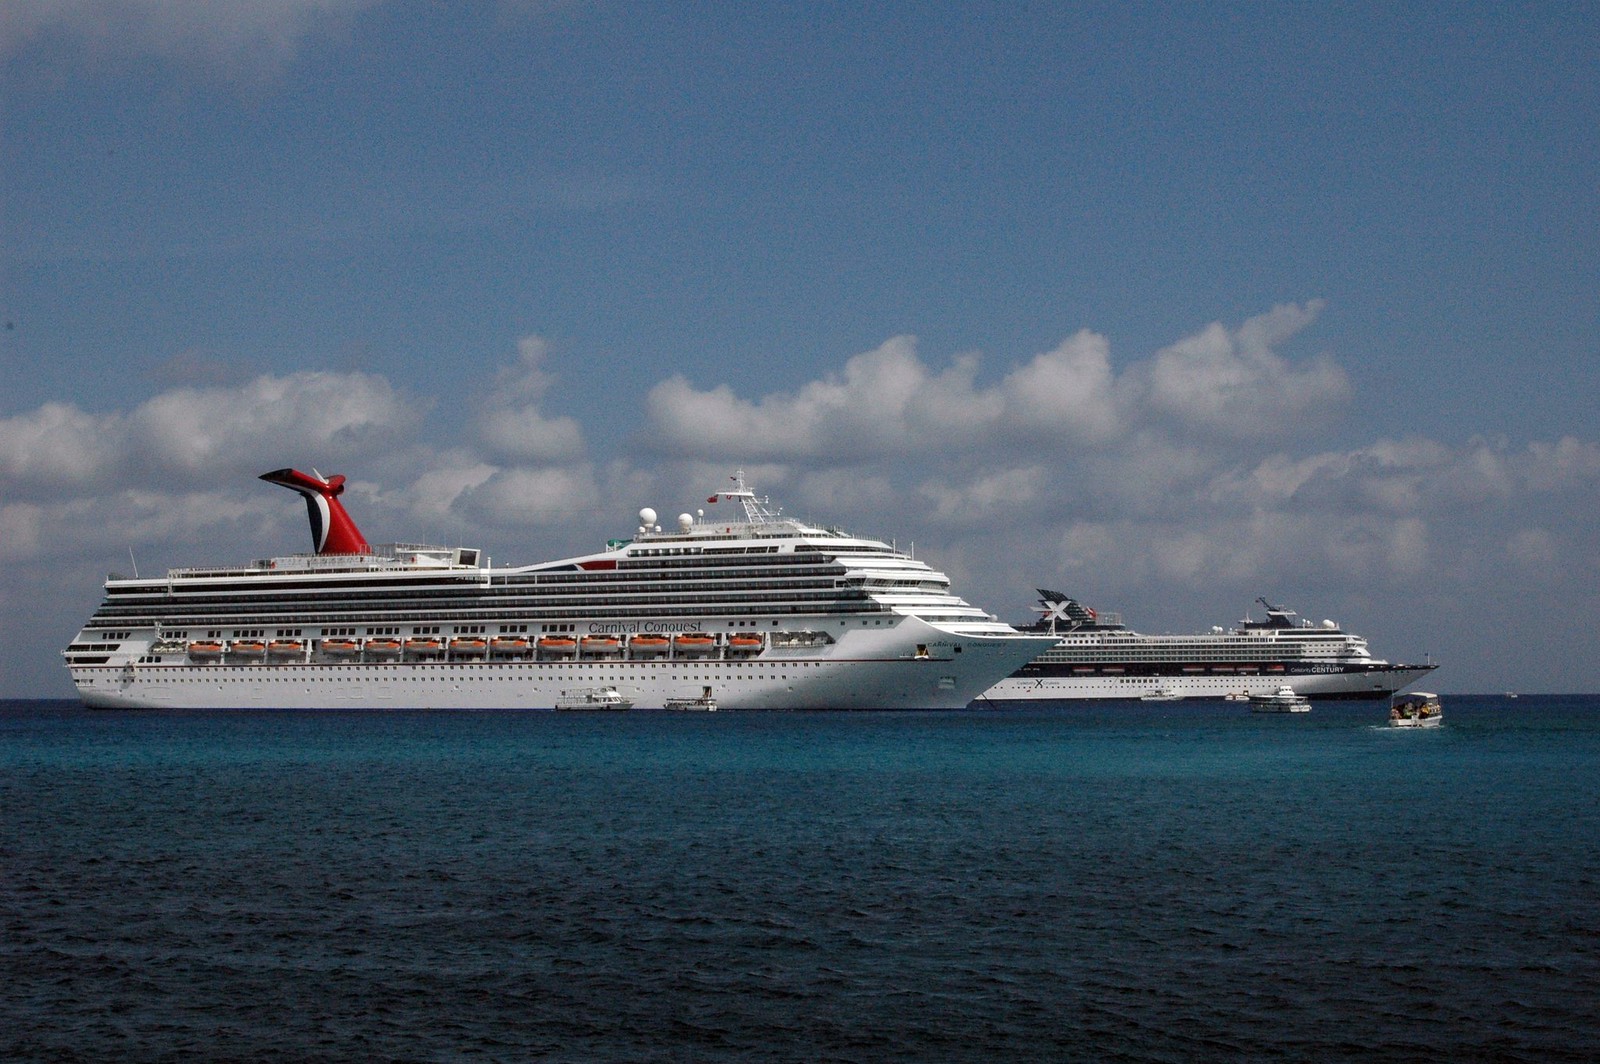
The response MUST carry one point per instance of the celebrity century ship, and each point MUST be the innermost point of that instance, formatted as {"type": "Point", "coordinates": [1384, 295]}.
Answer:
{"type": "Point", "coordinates": [755, 610]}
{"type": "Point", "coordinates": [1095, 656]}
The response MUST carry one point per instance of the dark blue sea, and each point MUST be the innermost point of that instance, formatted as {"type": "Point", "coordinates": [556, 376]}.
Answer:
{"type": "Point", "coordinates": [1096, 882]}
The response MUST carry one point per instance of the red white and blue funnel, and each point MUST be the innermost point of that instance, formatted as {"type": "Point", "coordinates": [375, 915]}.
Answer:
{"type": "Point", "coordinates": [332, 531]}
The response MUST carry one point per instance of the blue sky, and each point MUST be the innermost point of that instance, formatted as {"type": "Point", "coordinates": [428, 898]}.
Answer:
{"type": "Point", "coordinates": [1165, 305]}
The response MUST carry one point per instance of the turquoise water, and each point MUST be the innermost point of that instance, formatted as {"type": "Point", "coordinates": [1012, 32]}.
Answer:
{"type": "Point", "coordinates": [1139, 882]}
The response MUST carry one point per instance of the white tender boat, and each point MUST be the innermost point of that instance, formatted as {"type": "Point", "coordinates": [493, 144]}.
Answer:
{"type": "Point", "coordinates": [593, 698]}
{"type": "Point", "coordinates": [1161, 694]}
{"type": "Point", "coordinates": [1419, 709]}
{"type": "Point", "coordinates": [1283, 700]}
{"type": "Point", "coordinates": [703, 704]}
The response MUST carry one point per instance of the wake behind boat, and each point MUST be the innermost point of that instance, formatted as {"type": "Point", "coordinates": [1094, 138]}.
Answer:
{"type": "Point", "coordinates": [1096, 656]}
{"type": "Point", "coordinates": [757, 610]}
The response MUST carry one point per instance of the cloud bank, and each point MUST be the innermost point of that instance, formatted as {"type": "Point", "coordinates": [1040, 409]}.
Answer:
{"type": "Point", "coordinates": [1161, 478]}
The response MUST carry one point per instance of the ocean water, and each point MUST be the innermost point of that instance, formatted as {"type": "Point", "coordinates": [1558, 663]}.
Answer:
{"type": "Point", "coordinates": [1170, 882]}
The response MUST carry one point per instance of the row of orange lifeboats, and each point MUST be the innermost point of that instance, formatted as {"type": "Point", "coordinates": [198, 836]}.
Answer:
{"type": "Point", "coordinates": [469, 647]}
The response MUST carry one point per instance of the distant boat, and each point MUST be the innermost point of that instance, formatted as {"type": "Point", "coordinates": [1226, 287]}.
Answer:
{"type": "Point", "coordinates": [1161, 694]}
{"type": "Point", "coordinates": [1419, 709]}
{"type": "Point", "coordinates": [1283, 700]}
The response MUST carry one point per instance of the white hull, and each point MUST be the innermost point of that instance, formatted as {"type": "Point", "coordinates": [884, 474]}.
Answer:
{"type": "Point", "coordinates": [1372, 684]}
{"type": "Point", "coordinates": [880, 670]}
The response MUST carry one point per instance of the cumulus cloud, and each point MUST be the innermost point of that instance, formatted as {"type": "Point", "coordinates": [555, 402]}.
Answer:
{"type": "Point", "coordinates": [1233, 384]}
{"type": "Point", "coordinates": [193, 434]}
{"type": "Point", "coordinates": [514, 498]}
{"type": "Point", "coordinates": [511, 425]}
{"type": "Point", "coordinates": [1217, 383]}
{"type": "Point", "coordinates": [230, 40]}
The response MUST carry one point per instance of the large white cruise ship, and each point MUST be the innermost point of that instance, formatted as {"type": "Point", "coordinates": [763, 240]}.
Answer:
{"type": "Point", "coordinates": [755, 610]}
{"type": "Point", "coordinates": [1095, 656]}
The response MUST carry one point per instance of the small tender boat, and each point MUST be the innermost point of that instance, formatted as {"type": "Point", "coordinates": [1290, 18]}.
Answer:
{"type": "Point", "coordinates": [1161, 694]}
{"type": "Point", "coordinates": [592, 698]}
{"type": "Point", "coordinates": [1283, 700]}
{"type": "Point", "coordinates": [703, 703]}
{"type": "Point", "coordinates": [1419, 709]}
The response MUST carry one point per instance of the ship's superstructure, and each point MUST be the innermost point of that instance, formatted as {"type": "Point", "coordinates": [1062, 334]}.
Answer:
{"type": "Point", "coordinates": [756, 609]}
{"type": "Point", "coordinates": [1095, 656]}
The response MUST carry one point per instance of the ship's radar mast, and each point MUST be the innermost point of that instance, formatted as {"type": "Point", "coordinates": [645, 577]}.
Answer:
{"type": "Point", "coordinates": [756, 511]}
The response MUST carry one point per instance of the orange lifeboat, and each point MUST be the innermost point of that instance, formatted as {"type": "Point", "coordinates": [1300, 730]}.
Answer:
{"type": "Point", "coordinates": [248, 648]}
{"type": "Point", "coordinates": [469, 646]}
{"type": "Point", "coordinates": [286, 648]}
{"type": "Point", "coordinates": [383, 647]}
{"type": "Point", "coordinates": [642, 645]}
{"type": "Point", "coordinates": [424, 646]}
{"type": "Point", "coordinates": [558, 646]}
{"type": "Point", "coordinates": [745, 644]}
{"type": "Point", "coordinates": [692, 643]}
{"type": "Point", "coordinates": [509, 644]}
{"type": "Point", "coordinates": [600, 645]}
{"type": "Point", "coordinates": [341, 648]}
{"type": "Point", "coordinates": [205, 649]}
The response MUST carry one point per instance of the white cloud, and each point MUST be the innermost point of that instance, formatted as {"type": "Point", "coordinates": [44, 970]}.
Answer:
{"type": "Point", "coordinates": [230, 40]}
{"type": "Point", "coordinates": [199, 434]}
{"type": "Point", "coordinates": [511, 425]}
{"type": "Point", "coordinates": [1234, 385]}
{"type": "Point", "coordinates": [515, 498]}
{"type": "Point", "coordinates": [889, 402]}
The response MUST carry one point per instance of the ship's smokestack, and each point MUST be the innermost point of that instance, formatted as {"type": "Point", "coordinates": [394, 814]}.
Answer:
{"type": "Point", "coordinates": [332, 530]}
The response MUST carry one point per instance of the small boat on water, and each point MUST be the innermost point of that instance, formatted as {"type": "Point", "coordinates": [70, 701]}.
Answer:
{"type": "Point", "coordinates": [703, 704]}
{"type": "Point", "coordinates": [1161, 694]}
{"type": "Point", "coordinates": [1283, 700]}
{"type": "Point", "coordinates": [1419, 709]}
{"type": "Point", "coordinates": [592, 698]}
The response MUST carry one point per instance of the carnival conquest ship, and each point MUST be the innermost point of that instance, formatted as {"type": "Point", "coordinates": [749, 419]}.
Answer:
{"type": "Point", "coordinates": [755, 610]}
{"type": "Point", "coordinates": [1095, 656]}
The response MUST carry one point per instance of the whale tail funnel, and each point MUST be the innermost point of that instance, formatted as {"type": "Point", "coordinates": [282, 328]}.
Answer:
{"type": "Point", "coordinates": [332, 530]}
